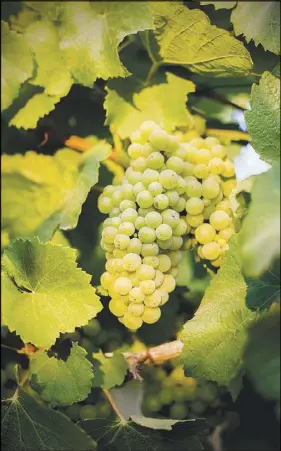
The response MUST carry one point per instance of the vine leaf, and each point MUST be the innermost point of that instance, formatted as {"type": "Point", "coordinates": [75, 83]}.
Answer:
{"type": "Point", "coordinates": [109, 371]}
{"type": "Point", "coordinates": [54, 189]}
{"type": "Point", "coordinates": [163, 102]}
{"type": "Point", "coordinates": [26, 424]}
{"type": "Point", "coordinates": [262, 354]}
{"type": "Point", "coordinates": [264, 102]}
{"type": "Point", "coordinates": [41, 282]}
{"type": "Point", "coordinates": [214, 339]}
{"type": "Point", "coordinates": [186, 37]}
{"type": "Point", "coordinates": [260, 22]}
{"type": "Point", "coordinates": [260, 248]}
{"type": "Point", "coordinates": [16, 62]}
{"type": "Point", "coordinates": [262, 292]}
{"type": "Point", "coordinates": [129, 398]}
{"type": "Point", "coordinates": [62, 383]}
{"type": "Point", "coordinates": [145, 434]}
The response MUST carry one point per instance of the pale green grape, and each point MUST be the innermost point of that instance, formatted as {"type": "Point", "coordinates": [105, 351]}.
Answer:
{"type": "Point", "coordinates": [126, 228]}
{"type": "Point", "coordinates": [106, 280]}
{"type": "Point", "coordinates": [150, 176]}
{"type": "Point", "coordinates": [161, 202]}
{"type": "Point", "coordinates": [229, 170]}
{"type": "Point", "coordinates": [210, 189]}
{"type": "Point", "coordinates": [129, 215]}
{"type": "Point", "coordinates": [226, 233]}
{"type": "Point", "coordinates": [136, 309]}
{"type": "Point", "coordinates": [211, 251]}
{"type": "Point", "coordinates": [168, 179]}
{"type": "Point", "coordinates": [147, 286]}
{"type": "Point", "coordinates": [136, 295]}
{"type": "Point", "coordinates": [194, 206]}
{"type": "Point", "coordinates": [175, 257]}
{"type": "Point", "coordinates": [175, 164]}
{"type": "Point", "coordinates": [187, 169]}
{"type": "Point", "coordinates": [134, 176]}
{"type": "Point", "coordinates": [195, 220]}
{"type": "Point", "coordinates": [155, 160]}
{"type": "Point", "coordinates": [124, 204]}
{"type": "Point", "coordinates": [140, 222]}
{"type": "Point", "coordinates": [216, 166]}
{"type": "Point", "coordinates": [164, 232]}
{"type": "Point", "coordinates": [219, 220]}
{"type": "Point", "coordinates": [164, 263]}
{"type": "Point", "coordinates": [201, 171]}
{"type": "Point", "coordinates": [147, 128]}
{"type": "Point", "coordinates": [180, 205]}
{"type": "Point", "coordinates": [153, 219]}
{"type": "Point", "coordinates": [151, 315]}
{"type": "Point", "coordinates": [108, 190]}
{"type": "Point", "coordinates": [88, 411]}
{"type": "Point", "coordinates": [217, 150]}
{"type": "Point", "coordinates": [153, 300]}
{"type": "Point", "coordinates": [170, 218]}
{"type": "Point", "coordinates": [123, 285]}
{"type": "Point", "coordinates": [178, 411]}
{"type": "Point", "coordinates": [135, 150]}
{"type": "Point", "coordinates": [140, 164]}
{"type": "Point", "coordinates": [105, 204]}
{"type": "Point", "coordinates": [108, 234]}
{"type": "Point", "coordinates": [159, 278]}
{"type": "Point", "coordinates": [132, 322]}
{"type": "Point", "coordinates": [155, 188]}
{"type": "Point", "coordinates": [131, 262]}
{"type": "Point", "coordinates": [145, 272]}
{"type": "Point", "coordinates": [182, 228]}
{"type": "Point", "coordinates": [138, 188]}
{"type": "Point", "coordinates": [145, 199]}
{"type": "Point", "coordinates": [203, 156]}
{"type": "Point", "coordinates": [205, 233]}
{"type": "Point", "coordinates": [117, 198]}
{"type": "Point", "coordinates": [151, 261]}
{"type": "Point", "coordinates": [128, 192]}
{"type": "Point", "coordinates": [164, 244]}
{"type": "Point", "coordinates": [150, 250]}
{"type": "Point", "coordinates": [147, 235]}
{"type": "Point", "coordinates": [135, 246]}
{"type": "Point", "coordinates": [117, 307]}
{"type": "Point", "coordinates": [159, 139]}
{"type": "Point", "coordinates": [194, 188]}
{"type": "Point", "coordinates": [121, 241]}
{"type": "Point", "coordinates": [176, 243]}
{"type": "Point", "coordinates": [173, 197]}
{"type": "Point", "coordinates": [168, 284]}
{"type": "Point", "coordinates": [114, 212]}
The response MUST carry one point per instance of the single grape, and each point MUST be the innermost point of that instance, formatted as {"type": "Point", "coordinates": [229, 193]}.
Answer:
{"type": "Point", "coordinates": [132, 322]}
{"type": "Point", "coordinates": [229, 170]}
{"type": "Point", "coordinates": [127, 204]}
{"type": "Point", "coordinates": [173, 197]}
{"type": "Point", "coordinates": [134, 176]}
{"type": "Point", "coordinates": [123, 285]}
{"type": "Point", "coordinates": [164, 263]}
{"type": "Point", "coordinates": [216, 166]}
{"type": "Point", "coordinates": [155, 160]}
{"type": "Point", "coordinates": [117, 307]}
{"type": "Point", "coordinates": [170, 218]}
{"type": "Point", "coordinates": [140, 164]}
{"type": "Point", "coordinates": [161, 201]}
{"type": "Point", "coordinates": [149, 176]}
{"type": "Point", "coordinates": [145, 199]}
{"type": "Point", "coordinates": [210, 189]}
{"type": "Point", "coordinates": [147, 286]}
{"type": "Point", "coordinates": [140, 222]}
{"type": "Point", "coordinates": [126, 228]}
{"type": "Point", "coordinates": [147, 128]}
{"type": "Point", "coordinates": [153, 300]}
{"type": "Point", "coordinates": [138, 188]}
{"type": "Point", "coordinates": [176, 243]}
{"type": "Point", "coordinates": [194, 206]}
{"type": "Point", "coordinates": [194, 220]}
{"type": "Point", "coordinates": [159, 139]}
{"type": "Point", "coordinates": [178, 411]}
{"type": "Point", "coordinates": [109, 234]}
{"type": "Point", "coordinates": [135, 246]}
{"type": "Point", "coordinates": [131, 262]}
{"type": "Point", "coordinates": [136, 295]}
{"type": "Point", "coordinates": [150, 250]}
{"type": "Point", "coordinates": [159, 278]}
{"type": "Point", "coordinates": [121, 241]}
{"type": "Point", "coordinates": [182, 228]}
{"type": "Point", "coordinates": [151, 261]}
{"type": "Point", "coordinates": [129, 215]}
{"type": "Point", "coordinates": [105, 204]}
{"type": "Point", "coordinates": [168, 284]}
{"type": "Point", "coordinates": [151, 315]}
{"type": "Point", "coordinates": [153, 219]}
{"type": "Point", "coordinates": [175, 164]}
{"type": "Point", "coordinates": [211, 251]}
{"type": "Point", "coordinates": [218, 151]}
{"type": "Point", "coordinates": [219, 220]}
{"type": "Point", "coordinates": [155, 188]}
{"type": "Point", "coordinates": [226, 233]}
{"type": "Point", "coordinates": [201, 171]}
{"type": "Point", "coordinates": [135, 150]}
{"type": "Point", "coordinates": [136, 309]}
{"type": "Point", "coordinates": [147, 235]}
{"type": "Point", "coordinates": [194, 188]}
{"type": "Point", "coordinates": [168, 179]}
{"type": "Point", "coordinates": [88, 411]}
{"type": "Point", "coordinates": [145, 272]}
{"type": "Point", "coordinates": [205, 233]}
{"type": "Point", "coordinates": [164, 232]}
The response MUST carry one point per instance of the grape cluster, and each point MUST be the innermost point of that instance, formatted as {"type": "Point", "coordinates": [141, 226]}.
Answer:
{"type": "Point", "coordinates": [173, 395]}
{"type": "Point", "coordinates": [173, 196]}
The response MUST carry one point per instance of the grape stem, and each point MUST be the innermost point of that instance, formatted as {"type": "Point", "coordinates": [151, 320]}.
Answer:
{"type": "Point", "coordinates": [113, 405]}
{"type": "Point", "coordinates": [156, 355]}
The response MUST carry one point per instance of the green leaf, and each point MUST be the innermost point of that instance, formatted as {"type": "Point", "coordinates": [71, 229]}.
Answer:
{"type": "Point", "coordinates": [260, 233]}
{"type": "Point", "coordinates": [28, 425]}
{"type": "Point", "coordinates": [220, 5]}
{"type": "Point", "coordinates": [262, 292]}
{"type": "Point", "coordinates": [53, 187]}
{"type": "Point", "coordinates": [214, 339]}
{"type": "Point", "coordinates": [62, 383]}
{"type": "Point", "coordinates": [260, 22]}
{"type": "Point", "coordinates": [41, 282]}
{"type": "Point", "coordinates": [265, 103]}
{"type": "Point", "coordinates": [16, 62]}
{"type": "Point", "coordinates": [148, 434]}
{"type": "Point", "coordinates": [110, 371]}
{"type": "Point", "coordinates": [37, 107]}
{"type": "Point", "coordinates": [262, 355]}
{"type": "Point", "coordinates": [186, 37]}
{"type": "Point", "coordinates": [163, 102]}
{"type": "Point", "coordinates": [90, 33]}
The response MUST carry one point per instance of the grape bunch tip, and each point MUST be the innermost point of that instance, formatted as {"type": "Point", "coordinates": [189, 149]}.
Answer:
{"type": "Point", "coordinates": [174, 196]}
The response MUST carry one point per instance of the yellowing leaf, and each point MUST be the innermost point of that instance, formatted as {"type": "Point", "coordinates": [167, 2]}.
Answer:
{"type": "Point", "coordinates": [52, 190]}
{"type": "Point", "coordinates": [163, 103]}
{"type": "Point", "coordinates": [214, 339]}
{"type": "Point", "coordinates": [16, 62]}
{"type": "Point", "coordinates": [186, 37]}
{"type": "Point", "coordinates": [59, 382]}
{"type": "Point", "coordinates": [41, 282]}
{"type": "Point", "coordinates": [26, 424]}
{"type": "Point", "coordinates": [260, 22]}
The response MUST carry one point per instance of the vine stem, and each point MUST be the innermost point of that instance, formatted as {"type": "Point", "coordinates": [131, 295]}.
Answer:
{"type": "Point", "coordinates": [10, 347]}
{"type": "Point", "coordinates": [113, 405]}
{"type": "Point", "coordinates": [152, 71]}
{"type": "Point", "coordinates": [156, 355]}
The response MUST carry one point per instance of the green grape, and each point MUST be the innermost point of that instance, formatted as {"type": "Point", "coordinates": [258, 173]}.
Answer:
{"type": "Point", "coordinates": [191, 152]}
{"type": "Point", "coordinates": [176, 243]}
{"type": "Point", "coordinates": [155, 188]}
{"type": "Point", "coordinates": [151, 261]}
{"type": "Point", "coordinates": [126, 228]}
{"type": "Point", "coordinates": [147, 128]}
{"type": "Point", "coordinates": [168, 179]}
{"type": "Point", "coordinates": [104, 410]}
{"type": "Point", "coordinates": [164, 244]}
{"type": "Point", "coordinates": [182, 228]}
{"type": "Point", "coordinates": [194, 220]}
{"type": "Point", "coordinates": [109, 234]}
{"type": "Point", "coordinates": [149, 176]}
{"type": "Point", "coordinates": [144, 211]}
{"type": "Point", "coordinates": [182, 185]}
{"type": "Point", "coordinates": [128, 192]}
{"type": "Point", "coordinates": [138, 188]}
{"type": "Point", "coordinates": [151, 315]}
{"type": "Point", "coordinates": [210, 189]}
{"type": "Point", "coordinates": [161, 201]}
{"type": "Point", "coordinates": [198, 407]}
{"type": "Point", "coordinates": [108, 190]}
{"type": "Point", "coordinates": [153, 219]}
{"type": "Point", "coordinates": [224, 205]}
{"type": "Point", "coordinates": [106, 280]}
{"type": "Point", "coordinates": [159, 278]}
{"type": "Point", "coordinates": [87, 344]}
{"type": "Point", "coordinates": [73, 412]}
{"type": "Point", "coordinates": [168, 284]}
{"type": "Point", "coordinates": [131, 262]}
{"type": "Point", "coordinates": [147, 235]}
{"type": "Point", "coordinates": [187, 169]}
{"type": "Point", "coordinates": [147, 286]}
{"type": "Point", "coordinates": [229, 170]}
{"type": "Point", "coordinates": [136, 309]}
{"type": "Point", "coordinates": [155, 160]}
{"type": "Point", "coordinates": [159, 139]}
{"type": "Point", "coordinates": [93, 328]}
{"type": "Point", "coordinates": [180, 205]}
{"type": "Point", "coordinates": [121, 241]}
{"type": "Point", "coordinates": [114, 212]}
{"type": "Point", "coordinates": [211, 251]}
{"type": "Point", "coordinates": [228, 187]}
{"type": "Point", "coordinates": [145, 272]}
{"type": "Point", "coordinates": [173, 197]}
{"type": "Point", "coordinates": [132, 322]}
{"type": "Point", "coordinates": [152, 403]}
{"type": "Point", "coordinates": [145, 199]}
{"type": "Point", "coordinates": [205, 233]}
{"type": "Point", "coordinates": [88, 411]}
{"type": "Point", "coordinates": [124, 204]}
{"type": "Point", "coordinates": [175, 257]}
{"type": "Point", "coordinates": [134, 176]}
{"type": "Point", "coordinates": [105, 204]}
{"type": "Point", "coordinates": [175, 164]}
{"type": "Point", "coordinates": [117, 307]}
{"type": "Point", "coordinates": [135, 150]}
{"type": "Point", "coordinates": [203, 156]}
{"type": "Point", "coordinates": [153, 300]}
{"type": "Point", "coordinates": [216, 166]}
{"type": "Point", "coordinates": [129, 215]}
{"type": "Point", "coordinates": [164, 232]}
{"type": "Point", "coordinates": [217, 150]}
{"type": "Point", "coordinates": [194, 188]}
{"type": "Point", "coordinates": [164, 263]}
{"type": "Point", "coordinates": [170, 218]}
{"type": "Point", "coordinates": [201, 171]}
{"type": "Point", "coordinates": [226, 233]}
{"type": "Point", "coordinates": [136, 295]}
{"type": "Point", "coordinates": [164, 297]}
{"type": "Point", "coordinates": [140, 222]}
{"type": "Point", "coordinates": [150, 250]}
{"type": "Point", "coordinates": [219, 220]}
{"type": "Point", "coordinates": [207, 393]}
{"type": "Point", "coordinates": [140, 164]}
{"type": "Point", "coordinates": [123, 285]}
{"type": "Point", "coordinates": [194, 206]}
{"type": "Point", "coordinates": [179, 411]}
{"type": "Point", "coordinates": [135, 246]}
